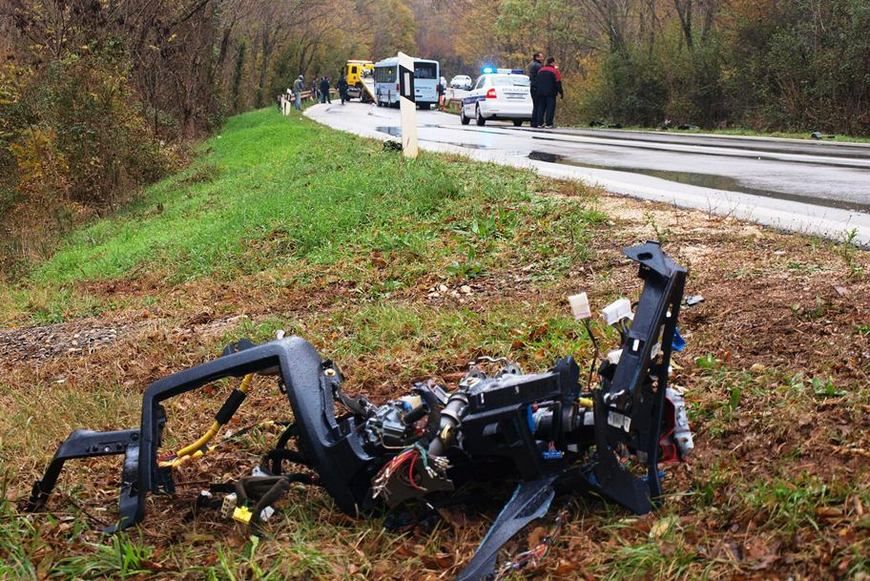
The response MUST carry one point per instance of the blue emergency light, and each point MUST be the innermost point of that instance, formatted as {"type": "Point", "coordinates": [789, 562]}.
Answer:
{"type": "Point", "coordinates": [487, 70]}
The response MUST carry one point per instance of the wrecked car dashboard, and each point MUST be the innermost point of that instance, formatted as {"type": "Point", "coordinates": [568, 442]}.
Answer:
{"type": "Point", "coordinates": [547, 433]}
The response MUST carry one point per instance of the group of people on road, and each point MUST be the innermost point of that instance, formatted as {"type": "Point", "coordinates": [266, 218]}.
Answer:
{"type": "Point", "coordinates": [320, 90]}
{"type": "Point", "coordinates": [545, 83]}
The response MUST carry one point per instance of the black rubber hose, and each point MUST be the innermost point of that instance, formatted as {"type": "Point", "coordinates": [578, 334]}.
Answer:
{"type": "Point", "coordinates": [432, 403]}
{"type": "Point", "coordinates": [241, 495]}
{"type": "Point", "coordinates": [276, 457]}
{"type": "Point", "coordinates": [415, 414]}
{"type": "Point", "coordinates": [285, 436]}
{"type": "Point", "coordinates": [230, 407]}
{"type": "Point", "coordinates": [279, 489]}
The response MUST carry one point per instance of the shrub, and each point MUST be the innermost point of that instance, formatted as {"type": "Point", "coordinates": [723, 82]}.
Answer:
{"type": "Point", "coordinates": [76, 142]}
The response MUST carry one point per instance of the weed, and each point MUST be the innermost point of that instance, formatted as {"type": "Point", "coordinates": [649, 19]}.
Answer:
{"type": "Point", "coordinates": [817, 311]}
{"type": "Point", "coordinates": [662, 234]}
{"type": "Point", "coordinates": [200, 173]}
{"type": "Point", "coordinates": [791, 505]}
{"type": "Point", "coordinates": [802, 267]}
{"type": "Point", "coordinates": [466, 268]}
{"type": "Point", "coordinates": [848, 250]}
{"type": "Point", "coordinates": [121, 557]}
{"type": "Point", "coordinates": [825, 387]}
{"type": "Point", "coordinates": [665, 555]}
{"type": "Point", "coordinates": [707, 362]}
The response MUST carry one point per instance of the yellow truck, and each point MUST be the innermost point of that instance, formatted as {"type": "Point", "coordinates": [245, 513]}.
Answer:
{"type": "Point", "coordinates": [360, 80]}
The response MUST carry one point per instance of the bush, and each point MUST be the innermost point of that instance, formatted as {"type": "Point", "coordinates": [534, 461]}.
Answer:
{"type": "Point", "coordinates": [76, 142]}
{"type": "Point", "coordinates": [631, 90]}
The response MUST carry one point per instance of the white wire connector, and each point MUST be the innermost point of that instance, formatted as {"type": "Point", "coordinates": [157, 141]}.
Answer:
{"type": "Point", "coordinates": [580, 306]}
{"type": "Point", "coordinates": [266, 513]}
{"type": "Point", "coordinates": [617, 311]}
{"type": "Point", "coordinates": [228, 505]}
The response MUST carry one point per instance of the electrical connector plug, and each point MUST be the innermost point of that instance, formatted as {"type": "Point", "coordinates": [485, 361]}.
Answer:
{"type": "Point", "coordinates": [228, 505]}
{"type": "Point", "coordinates": [243, 515]}
{"type": "Point", "coordinates": [617, 311]}
{"type": "Point", "coordinates": [266, 513]}
{"type": "Point", "coordinates": [580, 306]}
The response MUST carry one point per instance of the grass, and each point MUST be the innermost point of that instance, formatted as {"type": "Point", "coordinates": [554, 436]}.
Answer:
{"type": "Point", "coordinates": [267, 193]}
{"type": "Point", "coordinates": [404, 270]}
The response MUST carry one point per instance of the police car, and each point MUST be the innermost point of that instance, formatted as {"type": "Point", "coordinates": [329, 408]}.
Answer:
{"type": "Point", "coordinates": [498, 94]}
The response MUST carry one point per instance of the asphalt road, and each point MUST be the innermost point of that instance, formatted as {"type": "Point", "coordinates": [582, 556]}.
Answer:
{"type": "Point", "coordinates": [815, 187]}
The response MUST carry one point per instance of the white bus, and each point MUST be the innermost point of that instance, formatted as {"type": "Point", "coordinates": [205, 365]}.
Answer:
{"type": "Point", "coordinates": [426, 77]}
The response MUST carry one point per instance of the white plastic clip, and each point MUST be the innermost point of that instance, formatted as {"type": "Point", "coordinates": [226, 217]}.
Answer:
{"type": "Point", "coordinates": [616, 311]}
{"type": "Point", "coordinates": [580, 306]}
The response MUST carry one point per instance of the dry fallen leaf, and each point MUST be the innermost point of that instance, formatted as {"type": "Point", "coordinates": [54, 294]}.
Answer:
{"type": "Point", "coordinates": [662, 527]}
{"type": "Point", "coordinates": [829, 512]}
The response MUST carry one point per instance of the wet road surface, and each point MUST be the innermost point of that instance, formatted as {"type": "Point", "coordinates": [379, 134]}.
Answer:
{"type": "Point", "coordinates": [808, 186]}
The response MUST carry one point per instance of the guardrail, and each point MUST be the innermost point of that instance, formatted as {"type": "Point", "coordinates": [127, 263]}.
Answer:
{"type": "Point", "coordinates": [285, 102]}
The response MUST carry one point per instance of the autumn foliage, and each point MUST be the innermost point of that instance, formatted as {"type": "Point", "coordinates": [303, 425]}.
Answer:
{"type": "Point", "coordinates": [801, 65]}
{"type": "Point", "coordinates": [98, 98]}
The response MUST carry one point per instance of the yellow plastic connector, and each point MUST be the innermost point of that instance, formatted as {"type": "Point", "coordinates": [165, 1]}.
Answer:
{"type": "Point", "coordinates": [243, 515]}
{"type": "Point", "coordinates": [586, 402]}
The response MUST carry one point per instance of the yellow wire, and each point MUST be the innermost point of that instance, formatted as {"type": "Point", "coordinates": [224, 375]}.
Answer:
{"type": "Point", "coordinates": [202, 441]}
{"type": "Point", "coordinates": [194, 450]}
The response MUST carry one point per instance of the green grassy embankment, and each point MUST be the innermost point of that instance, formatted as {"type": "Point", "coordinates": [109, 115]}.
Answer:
{"type": "Point", "coordinates": [400, 270]}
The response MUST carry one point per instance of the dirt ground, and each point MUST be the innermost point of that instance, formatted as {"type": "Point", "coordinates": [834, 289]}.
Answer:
{"type": "Point", "coordinates": [777, 374]}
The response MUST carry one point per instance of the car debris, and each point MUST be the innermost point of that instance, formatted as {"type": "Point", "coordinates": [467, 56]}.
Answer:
{"type": "Point", "coordinates": [693, 300]}
{"type": "Point", "coordinates": [545, 433]}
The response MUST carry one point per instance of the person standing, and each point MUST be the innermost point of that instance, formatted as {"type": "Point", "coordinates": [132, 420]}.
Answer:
{"type": "Point", "coordinates": [549, 84]}
{"type": "Point", "coordinates": [532, 70]}
{"type": "Point", "coordinates": [439, 89]}
{"type": "Point", "coordinates": [324, 90]}
{"type": "Point", "coordinates": [298, 86]}
{"type": "Point", "coordinates": [341, 85]}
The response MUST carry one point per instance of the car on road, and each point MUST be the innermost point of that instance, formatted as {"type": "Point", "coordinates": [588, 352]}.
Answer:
{"type": "Point", "coordinates": [461, 82]}
{"type": "Point", "coordinates": [503, 96]}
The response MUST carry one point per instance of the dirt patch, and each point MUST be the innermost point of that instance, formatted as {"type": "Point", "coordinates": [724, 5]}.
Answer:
{"type": "Point", "coordinates": [36, 344]}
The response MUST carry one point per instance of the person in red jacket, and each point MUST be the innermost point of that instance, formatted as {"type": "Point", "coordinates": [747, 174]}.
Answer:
{"type": "Point", "coordinates": [549, 84]}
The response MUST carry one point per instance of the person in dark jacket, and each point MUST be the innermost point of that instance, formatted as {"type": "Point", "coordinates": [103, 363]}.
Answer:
{"type": "Point", "coordinates": [341, 85]}
{"type": "Point", "coordinates": [298, 87]}
{"type": "Point", "coordinates": [532, 69]}
{"type": "Point", "coordinates": [324, 90]}
{"type": "Point", "coordinates": [549, 84]}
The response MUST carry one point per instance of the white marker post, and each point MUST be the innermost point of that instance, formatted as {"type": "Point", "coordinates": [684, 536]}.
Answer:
{"type": "Point", "coordinates": [408, 106]}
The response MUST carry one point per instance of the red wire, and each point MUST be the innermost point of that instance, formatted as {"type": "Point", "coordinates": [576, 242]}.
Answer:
{"type": "Point", "coordinates": [411, 473]}
{"type": "Point", "coordinates": [397, 461]}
